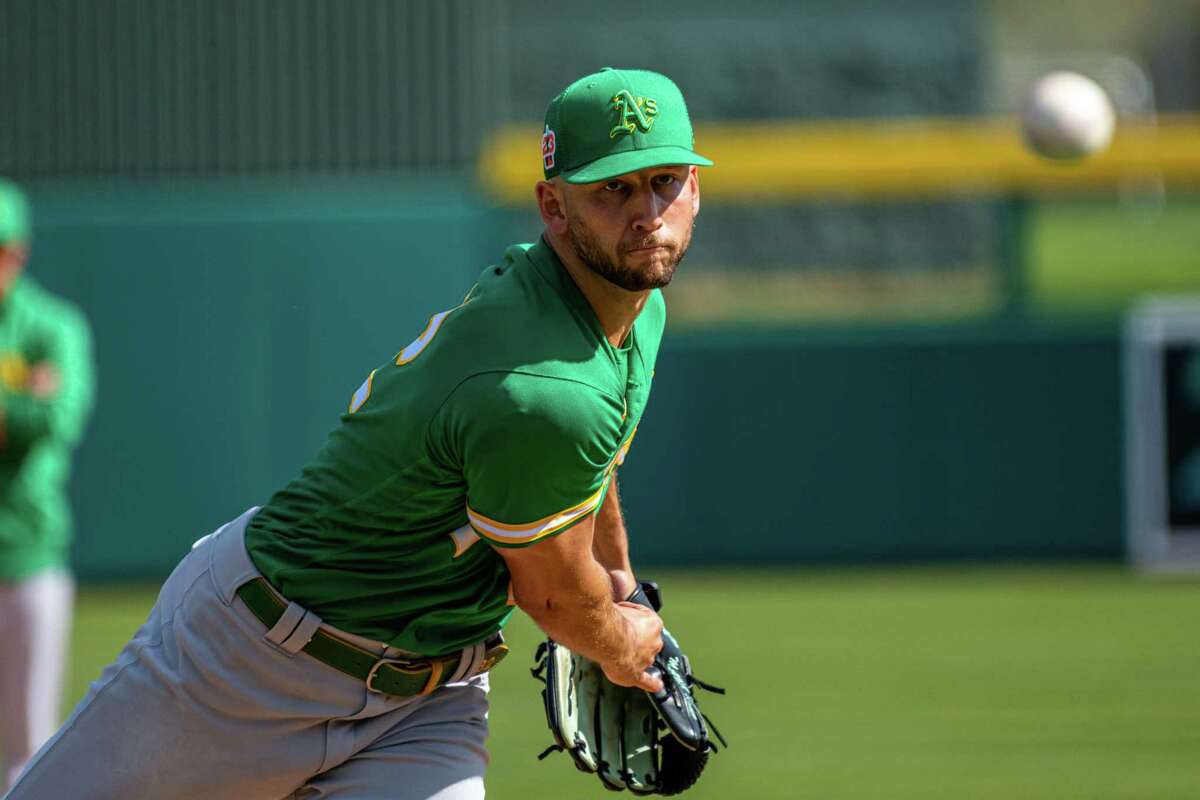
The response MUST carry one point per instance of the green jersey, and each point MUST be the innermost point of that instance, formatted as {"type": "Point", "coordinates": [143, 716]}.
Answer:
{"type": "Point", "coordinates": [39, 425]}
{"type": "Point", "coordinates": [500, 425]}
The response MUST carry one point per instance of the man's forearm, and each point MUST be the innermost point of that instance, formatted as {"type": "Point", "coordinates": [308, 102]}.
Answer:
{"type": "Point", "coordinates": [572, 596]}
{"type": "Point", "coordinates": [586, 620]}
{"type": "Point", "coordinates": [610, 545]}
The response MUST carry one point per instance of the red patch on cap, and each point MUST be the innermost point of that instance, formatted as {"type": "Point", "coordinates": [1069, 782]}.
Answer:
{"type": "Point", "coordinates": [548, 148]}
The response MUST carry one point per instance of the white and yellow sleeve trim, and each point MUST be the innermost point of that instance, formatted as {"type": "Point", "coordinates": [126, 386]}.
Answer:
{"type": "Point", "coordinates": [502, 533]}
{"type": "Point", "coordinates": [619, 459]}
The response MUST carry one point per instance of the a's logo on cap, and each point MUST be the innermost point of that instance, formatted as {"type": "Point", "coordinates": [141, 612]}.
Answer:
{"type": "Point", "coordinates": [548, 147]}
{"type": "Point", "coordinates": [633, 113]}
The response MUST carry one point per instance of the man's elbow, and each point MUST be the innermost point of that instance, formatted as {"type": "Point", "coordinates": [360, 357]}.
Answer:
{"type": "Point", "coordinates": [549, 607]}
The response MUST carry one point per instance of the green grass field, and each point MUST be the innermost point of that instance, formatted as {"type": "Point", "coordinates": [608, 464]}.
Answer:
{"type": "Point", "coordinates": [1088, 256]}
{"type": "Point", "coordinates": [955, 682]}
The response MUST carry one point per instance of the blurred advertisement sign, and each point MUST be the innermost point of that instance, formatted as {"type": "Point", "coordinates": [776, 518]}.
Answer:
{"type": "Point", "coordinates": [1162, 430]}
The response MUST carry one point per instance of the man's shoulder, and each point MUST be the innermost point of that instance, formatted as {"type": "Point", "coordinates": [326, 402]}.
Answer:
{"type": "Point", "coordinates": [48, 309]}
{"type": "Point", "coordinates": [511, 290]}
{"type": "Point", "coordinates": [513, 323]}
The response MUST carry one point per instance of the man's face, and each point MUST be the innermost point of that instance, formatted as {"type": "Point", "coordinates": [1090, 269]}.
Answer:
{"type": "Point", "coordinates": [633, 230]}
{"type": "Point", "coordinates": [12, 259]}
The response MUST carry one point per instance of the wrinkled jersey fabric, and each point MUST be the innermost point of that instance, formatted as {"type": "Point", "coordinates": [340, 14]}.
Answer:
{"type": "Point", "coordinates": [499, 425]}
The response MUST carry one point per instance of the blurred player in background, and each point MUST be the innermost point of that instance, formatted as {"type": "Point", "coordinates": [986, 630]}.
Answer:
{"type": "Point", "coordinates": [46, 387]}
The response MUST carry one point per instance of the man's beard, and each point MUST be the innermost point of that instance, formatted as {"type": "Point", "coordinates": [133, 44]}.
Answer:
{"type": "Point", "coordinates": [654, 275]}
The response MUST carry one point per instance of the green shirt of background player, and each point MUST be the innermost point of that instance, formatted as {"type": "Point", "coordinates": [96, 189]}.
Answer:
{"type": "Point", "coordinates": [46, 387]}
{"type": "Point", "coordinates": [45, 394]}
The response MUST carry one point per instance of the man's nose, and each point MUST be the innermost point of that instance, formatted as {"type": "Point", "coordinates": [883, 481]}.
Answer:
{"type": "Point", "coordinates": [648, 211]}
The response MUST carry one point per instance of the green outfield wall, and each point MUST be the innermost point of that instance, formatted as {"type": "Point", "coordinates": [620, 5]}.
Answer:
{"type": "Point", "coordinates": [983, 441]}
{"type": "Point", "coordinates": [232, 323]}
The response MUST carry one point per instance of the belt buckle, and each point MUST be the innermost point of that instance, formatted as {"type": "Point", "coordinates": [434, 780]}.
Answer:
{"type": "Point", "coordinates": [435, 672]}
{"type": "Point", "coordinates": [493, 657]}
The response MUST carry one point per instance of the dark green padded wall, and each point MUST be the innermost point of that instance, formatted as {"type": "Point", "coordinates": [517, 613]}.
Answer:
{"type": "Point", "coordinates": [979, 443]}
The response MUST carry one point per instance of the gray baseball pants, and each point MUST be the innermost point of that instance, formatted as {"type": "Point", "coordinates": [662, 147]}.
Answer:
{"type": "Point", "coordinates": [35, 626]}
{"type": "Point", "coordinates": [204, 702]}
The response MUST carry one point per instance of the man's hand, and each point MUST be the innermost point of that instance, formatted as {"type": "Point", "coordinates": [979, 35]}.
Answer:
{"type": "Point", "coordinates": [44, 380]}
{"type": "Point", "coordinates": [647, 641]}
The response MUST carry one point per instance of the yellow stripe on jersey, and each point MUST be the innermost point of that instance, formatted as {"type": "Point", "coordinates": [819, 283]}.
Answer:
{"type": "Point", "coordinates": [619, 459]}
{"type": "Point", "coordinates": [532, 531]}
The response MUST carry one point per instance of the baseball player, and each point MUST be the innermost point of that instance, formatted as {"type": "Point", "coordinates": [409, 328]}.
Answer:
{"type": "Point", "coordinates": [45, 393]}
{"type": "Point", "coordinates": [336, 642]}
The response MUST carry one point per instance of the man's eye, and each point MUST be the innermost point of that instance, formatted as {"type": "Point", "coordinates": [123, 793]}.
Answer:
{"type": "Point", "coordinates": [613, 186]}
{"type": "Point", "coordinates": [665, 180]}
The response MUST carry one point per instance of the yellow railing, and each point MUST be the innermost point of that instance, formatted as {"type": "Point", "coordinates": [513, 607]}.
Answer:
{"type": "Point", "coordinates": [773, 161]}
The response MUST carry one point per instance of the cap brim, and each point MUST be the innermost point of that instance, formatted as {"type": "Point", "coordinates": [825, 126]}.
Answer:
{"type": "Point", "coordinates": [608, 167]}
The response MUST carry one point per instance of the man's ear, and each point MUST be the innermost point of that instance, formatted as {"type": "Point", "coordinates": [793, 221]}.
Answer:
{"type": "Point", "coordinates": [694, 177]}
{"type": "Point", "coordinates": [551, 206]}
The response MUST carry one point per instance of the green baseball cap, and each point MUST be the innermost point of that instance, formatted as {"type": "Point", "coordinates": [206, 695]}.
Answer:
{"type": "Point", "coordinates": [616, 121]}
{"type": "Point", "coordinates": [14, 213]}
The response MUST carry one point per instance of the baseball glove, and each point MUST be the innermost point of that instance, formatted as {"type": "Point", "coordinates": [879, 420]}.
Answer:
{"type": "Point", "coordinates": [648, 743]}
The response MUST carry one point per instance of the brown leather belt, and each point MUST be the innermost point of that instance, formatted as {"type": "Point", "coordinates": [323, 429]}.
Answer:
{"type": "Point", "coordinates": [401, 677]}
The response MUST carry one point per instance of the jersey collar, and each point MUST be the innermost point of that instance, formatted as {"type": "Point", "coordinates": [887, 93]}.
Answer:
{"type": "Point", "coordinates": [548, 265]}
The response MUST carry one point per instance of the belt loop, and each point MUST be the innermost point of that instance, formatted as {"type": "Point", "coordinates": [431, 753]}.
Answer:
{"type": "Point", "coordinates": [468, 662]}
{"type": "Point", "coordinates": [286, 624]}
{"type": "Point", "coordinates": [303, 633]}
{"type": "Point", "coordinates": [478, 651]}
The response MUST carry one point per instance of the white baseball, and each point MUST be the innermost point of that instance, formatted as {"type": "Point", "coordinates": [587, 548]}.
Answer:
{"type": "Point", "coordinates": [1067, 116]}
